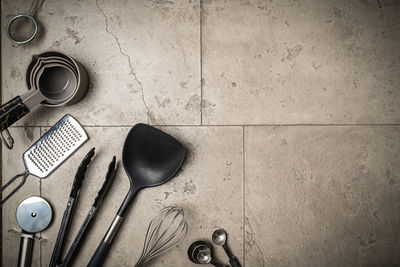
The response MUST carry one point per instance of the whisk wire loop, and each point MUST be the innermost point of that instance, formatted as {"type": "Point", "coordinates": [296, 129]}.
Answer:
{"type": "Point", "coordinates": [164, 232]}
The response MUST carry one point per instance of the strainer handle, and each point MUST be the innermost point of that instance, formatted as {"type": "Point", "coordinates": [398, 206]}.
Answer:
{"type": "Point", "coordinates": [10, 112]}
{"type": "Point", "coordinates": [33, 8]}
{"type": "Point", "coordinates": [24, 175]}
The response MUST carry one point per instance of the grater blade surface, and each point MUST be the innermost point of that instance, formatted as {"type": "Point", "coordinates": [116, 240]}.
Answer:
{"type": "Point", "coordinates": [54, 147]}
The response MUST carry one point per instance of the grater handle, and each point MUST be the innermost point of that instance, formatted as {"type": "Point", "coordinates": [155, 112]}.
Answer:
{"type": "Point", "coordinates": [24, 175]}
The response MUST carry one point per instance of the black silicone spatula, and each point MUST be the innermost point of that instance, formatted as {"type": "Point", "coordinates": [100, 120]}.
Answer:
{"type": "Point", "coordinates": [150, 158]}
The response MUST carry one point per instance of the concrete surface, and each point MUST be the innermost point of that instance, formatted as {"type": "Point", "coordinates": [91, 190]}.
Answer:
{"type": "Point", "coordinates": [289, 111]}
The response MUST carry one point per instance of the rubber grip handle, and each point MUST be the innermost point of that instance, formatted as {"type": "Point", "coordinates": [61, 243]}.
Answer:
{"type": "Point", "coordinates": [12, 111]}
{"type": "Point", "coordinates": [80, 173]}
{"type": "Point", "coordinates": [100, 254]}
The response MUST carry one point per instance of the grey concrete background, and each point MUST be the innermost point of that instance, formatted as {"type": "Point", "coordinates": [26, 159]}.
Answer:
{"type": "Point", "coordinates": [289, 110]}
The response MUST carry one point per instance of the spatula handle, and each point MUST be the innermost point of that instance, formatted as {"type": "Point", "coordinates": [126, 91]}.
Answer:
{"type": "Point", "coordinates": [100, 254]}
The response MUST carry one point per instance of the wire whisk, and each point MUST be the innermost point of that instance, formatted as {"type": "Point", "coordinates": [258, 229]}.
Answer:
{"type": "Point", "coordinates": [165, 231]}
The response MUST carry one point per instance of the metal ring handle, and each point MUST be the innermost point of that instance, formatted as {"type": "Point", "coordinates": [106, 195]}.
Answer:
{"type": "Point", "coordinates": [23, 175]}
{"type": "Point", "coordinates": [11, 21]}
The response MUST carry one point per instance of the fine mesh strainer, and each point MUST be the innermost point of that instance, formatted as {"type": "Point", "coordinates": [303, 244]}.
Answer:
{"type": "Point", "coordinates": [50, 151]}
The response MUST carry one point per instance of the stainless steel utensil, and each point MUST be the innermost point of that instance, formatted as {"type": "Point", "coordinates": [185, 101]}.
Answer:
{"type": "Point", "coordinates": [200, 252]}
{"type": "Point", "coordinates": [50, 151]}
{"type": "Point", "coordinates": [219, 238]}
{"type": "Point", "coordinates": [34, 215]}
{"type": "Point", "coordinates": [29, 20]}
{"type": "Point", "coordinates": [164, 232]}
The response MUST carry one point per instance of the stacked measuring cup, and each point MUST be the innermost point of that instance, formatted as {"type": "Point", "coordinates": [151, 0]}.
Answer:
{"type": "Point", "coordinates": [54, 79]}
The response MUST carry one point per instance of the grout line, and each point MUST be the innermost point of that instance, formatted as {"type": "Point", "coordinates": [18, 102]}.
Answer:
{"type": "Point", "coordinates": [244, 196]}
{"type": "Point", "coordinates": [225, 125]}
{"type": "Point", "coordinates": [40, 194]}
{"type": "Point", "coordinates": [1, 143]}
{"type": "Point", "coordinates": [201, 62]}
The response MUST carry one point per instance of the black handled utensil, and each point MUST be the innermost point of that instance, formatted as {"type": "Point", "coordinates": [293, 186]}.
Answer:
{"type": "Point", "coordinates": [150, 158]}
{"type": "Point", "coordinates": [71, 254]}
{"type": "Point", "coordinates": [69, 210]}
{"type": "Point", "coordinates": [219, 238]}
{"type": "Point", "coordinates": [67, 218]}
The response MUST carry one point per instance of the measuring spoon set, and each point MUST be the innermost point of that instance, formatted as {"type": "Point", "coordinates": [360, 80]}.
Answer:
{"type": "Point", "coordinates": [201, 252]}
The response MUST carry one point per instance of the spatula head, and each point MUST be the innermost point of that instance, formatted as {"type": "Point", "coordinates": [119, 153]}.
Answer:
{"type": "Point", "coordinates": [150, 156]}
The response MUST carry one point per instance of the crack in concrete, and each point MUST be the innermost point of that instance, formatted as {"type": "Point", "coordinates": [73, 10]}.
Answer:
{"type": "Point", "coordinates": [252, 242]}
{"type": "Point", "coordinates": [132, 71]}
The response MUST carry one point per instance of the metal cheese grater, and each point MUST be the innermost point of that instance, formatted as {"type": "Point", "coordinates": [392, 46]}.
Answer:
{"type": "Point", "coordinates": [50, 151]}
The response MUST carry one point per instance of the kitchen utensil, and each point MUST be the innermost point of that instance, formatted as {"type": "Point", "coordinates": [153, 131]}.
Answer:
{"type": "Point", "coordinates": [50, 151]}
{"type": "Point", "coordinates": [41, 61]}
{"type": "Point", "coordinates": [50, 85]}
{"type": "Point", "coordinates": [200, 252]}
{"type": "Point", "coordinates": [25, 21]}
{"type": "Point", "coordinates": [219, 238]}
{"type": "Point", "coordinates": [150, 158]}
{"type": "Point", "coordinates": [69, 212]}
{"type": "Point", "coordinates": [34, 215]}
{"type": "Point", "coordinates": [164, 232]}
{"type": "Point", "coordinates": [58, 76]}
{"type": "Point", "coordinates": [48, 62]}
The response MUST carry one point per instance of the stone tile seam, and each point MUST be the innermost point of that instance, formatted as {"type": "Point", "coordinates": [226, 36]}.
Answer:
{"type": "Point", "coordinates": [244, 195]}
{"type": "Point", "coordinates": [201, 61]}
{"type": "Point", "coordinates": [220, 125]}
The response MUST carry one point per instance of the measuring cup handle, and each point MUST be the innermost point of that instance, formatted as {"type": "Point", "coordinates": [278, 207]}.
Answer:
{"type": "Point", "coordinates": [25, 250]}
{"type": "Point", "coordinates": [10, 112]}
